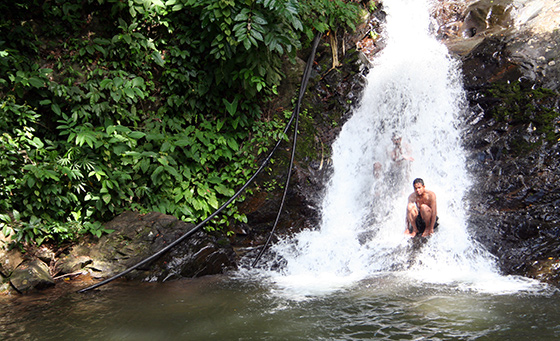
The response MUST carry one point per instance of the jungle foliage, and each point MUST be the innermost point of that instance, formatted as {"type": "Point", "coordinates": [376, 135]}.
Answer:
{"type": "Point", "coordinates": [152, 105]}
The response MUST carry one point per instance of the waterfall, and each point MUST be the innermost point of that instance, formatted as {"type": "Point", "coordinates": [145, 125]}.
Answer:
{"type": "Point", "coordinates": [413, 90]}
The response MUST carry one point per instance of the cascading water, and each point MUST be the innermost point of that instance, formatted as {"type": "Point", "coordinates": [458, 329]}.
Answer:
{"type": "Point", "coordinates": [414, 90]}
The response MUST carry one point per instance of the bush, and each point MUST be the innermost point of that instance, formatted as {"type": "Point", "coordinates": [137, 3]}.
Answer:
{"type": "Point", "coordinates": [110, 105]}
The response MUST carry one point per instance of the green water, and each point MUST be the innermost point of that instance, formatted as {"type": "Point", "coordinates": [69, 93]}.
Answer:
{"type": "Point", "coordinates": [224, 308]}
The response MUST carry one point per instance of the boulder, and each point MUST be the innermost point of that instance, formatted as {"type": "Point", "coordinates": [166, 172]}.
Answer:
{"type": "Point", "coordinates": [31, 275]}
{"type": "Point", "coordinates": [9, 258]}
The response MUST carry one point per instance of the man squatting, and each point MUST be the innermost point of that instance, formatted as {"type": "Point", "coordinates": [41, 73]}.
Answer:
{"type": "Point", "coordinates": [421, 213]}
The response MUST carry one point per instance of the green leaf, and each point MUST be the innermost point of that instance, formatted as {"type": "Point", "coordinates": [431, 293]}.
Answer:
{"type": "Point", "coordinates": [155, 174]}
{"type": "Point", "coordinates": [51, 174]}
{"type": "Point", "coordinates": [36, 82]}
{"type": "Point", "coordinates": [233, 144]}
{"type": "Point", "coordinates": [37, 143]}
{"type": "Point", "coordinates": [240, 29]}
{"type": "Point", "coordinates": [116, 96]}
{"type": "Point", "coordinates": [104, 84]}
{"type": "Point", "coordinates": [183, 142]}
{"type": "Point", "coordinates": [56, 109]}
{"type": "Point", "coordinates": [173, 172]}
{"type": "Point", "coordinates": [138, 82]}
{"type": "Point", "coordinates": [118, 82]}
{"type": "Point", "coordinates": [231, 107]}
{"type": "Point", "coordinates": [219, 125]}
{"type": "Point", "coordinates": [129, 92]}
{"type": "Point", "coordinates": [258, 18]}
{"type": "Point", "coordinates": [213, 202]}
{"type": "Point", "coordinates": [243, 16]}
{"type": "Point", "coordinates": [156, 56]}
{"type": "Point", "coordinates": [257, 35]}
{"type": "Point", "coordinates": [31, 181]}
{"type": "Point", "coordinates": [246, 44]}
{"type": "Point", "coordinates": [136, 135]}
{"type": "Point", "coordinates": [224, 190]}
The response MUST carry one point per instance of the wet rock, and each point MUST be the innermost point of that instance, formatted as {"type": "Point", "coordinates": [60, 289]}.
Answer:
{"type": "Point", "coordinates": [515, 197]}
{"type": "Point", "coordinates": [20, 275]}
{"type": "Point", "coordinates": [31, 275]}
{"type": "Point", "coordinates": [137, 237]}
{"type": "Point", "coordinates": [71, 263]}
{"type": "Point", "coordinates": [45, 254]}
{"type": "Point", "coordinates": [512, 132]}
{"type": "Point", "coordinates": [9, 259]}
{"type": "Point", "coordinates": [5, 288]}
{"type": "Point", "coordinates": [503, 40]}
{"type": "Point", "coordinates": [546, 270]}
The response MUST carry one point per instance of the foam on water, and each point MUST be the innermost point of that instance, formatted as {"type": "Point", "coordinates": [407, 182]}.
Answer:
{"type": "Point", "coordinates": [414, 89]}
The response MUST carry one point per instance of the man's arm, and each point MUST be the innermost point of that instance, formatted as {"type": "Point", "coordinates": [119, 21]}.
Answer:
{"type": "Point", "coordinates": [408, 152]}
{"type": "Point", "coordinates": [411, 212]}
{"type": "Point", "coordinates": [433, 205]}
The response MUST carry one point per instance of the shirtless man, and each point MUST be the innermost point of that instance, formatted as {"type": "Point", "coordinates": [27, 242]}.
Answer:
{"type": "Point", "coordinates": [400, 151]}
{"type": "Point", "coordinates": [421, 213]}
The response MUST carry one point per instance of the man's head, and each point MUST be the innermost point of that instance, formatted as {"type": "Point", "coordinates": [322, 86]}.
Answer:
{"type": "Point", "coordinates": [396, 138]}
{"type": "Point", "coordinates": [418, 185]}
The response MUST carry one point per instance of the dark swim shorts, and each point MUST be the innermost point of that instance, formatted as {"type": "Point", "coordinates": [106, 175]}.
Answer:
{"type": "Point", "coordinates": [421, 225]}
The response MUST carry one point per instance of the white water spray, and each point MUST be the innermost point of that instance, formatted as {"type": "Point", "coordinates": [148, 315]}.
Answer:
{"type": "Point", "coordinates": [415, 91]}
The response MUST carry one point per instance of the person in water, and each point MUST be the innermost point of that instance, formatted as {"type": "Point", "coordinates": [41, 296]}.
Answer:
{"type": "Point", "coordinates": [400, 151]}
{"type": "Point", "coordinates": [377, 169]}
{"type": "Point", "coordinates": [398, 170]}
{"type": "Point", "coordinates": [421, 212]}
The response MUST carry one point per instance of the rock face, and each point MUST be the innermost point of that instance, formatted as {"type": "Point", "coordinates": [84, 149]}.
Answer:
{"type": "Point", "coordinates": [9, 259]}
{"type": "Point", "coordinates": [503, 40]}
{"type": "Point", "coordinates": [515, 200]}
{"type": "Point", "coordinates": [138, 237]}
{"type": "Point", "coordinates": [509, 51]}
{"type": "Point", "coordinates": [135, 238]}
{"type": "Point", "coordinates": [516, 163]}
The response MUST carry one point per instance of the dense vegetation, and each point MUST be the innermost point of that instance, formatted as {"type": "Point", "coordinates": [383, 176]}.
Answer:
{"type": "Point", "coordinates": [110, 105]}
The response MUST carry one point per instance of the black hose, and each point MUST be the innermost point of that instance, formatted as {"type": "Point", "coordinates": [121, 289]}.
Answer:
{"type": "Point", "coordinates": [295, 114]}
{"type": "Point", "coordinates": [302, 89]}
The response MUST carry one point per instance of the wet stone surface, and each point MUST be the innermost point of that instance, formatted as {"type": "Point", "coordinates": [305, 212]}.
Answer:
{"type": "Point", "coordinates": [515, 198]}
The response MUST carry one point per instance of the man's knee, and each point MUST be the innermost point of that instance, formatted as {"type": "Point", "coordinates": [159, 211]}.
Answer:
{"type": "Point", "coordinates": [426, 214]}
{"type": "Point", "coordinates": [425, 209]}
{"type": "Point", "coordinates": [412, 208]}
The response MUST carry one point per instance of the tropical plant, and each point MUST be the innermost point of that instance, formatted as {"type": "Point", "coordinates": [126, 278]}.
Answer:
{"type": "Point", "coordinates": [111, 105]}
